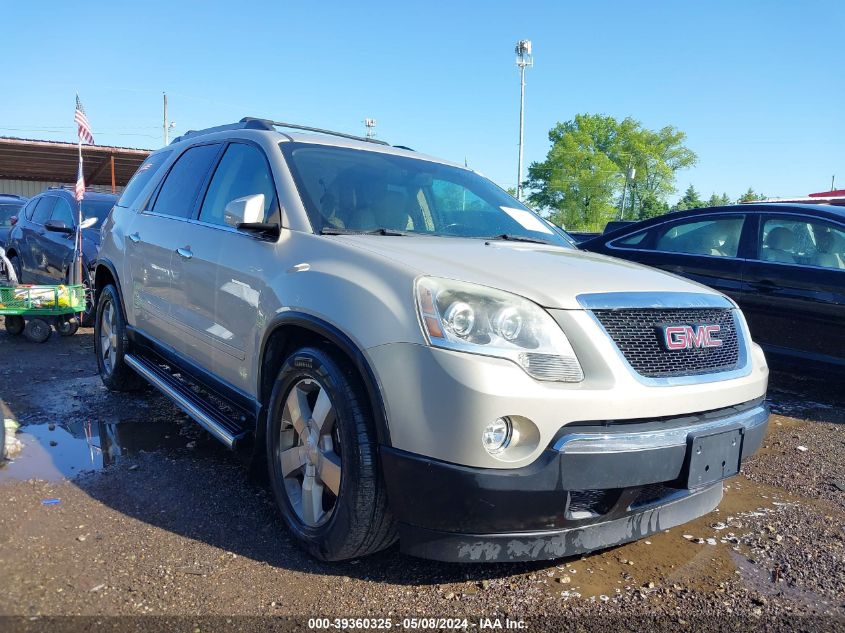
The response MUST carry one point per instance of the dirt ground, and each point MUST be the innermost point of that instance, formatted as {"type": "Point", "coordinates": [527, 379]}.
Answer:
{"type": "Point", "coordinates": [118, 505]}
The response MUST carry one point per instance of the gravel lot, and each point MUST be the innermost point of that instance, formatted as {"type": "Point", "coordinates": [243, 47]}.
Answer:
{"type": "Point", "coordinates": [154, 518]}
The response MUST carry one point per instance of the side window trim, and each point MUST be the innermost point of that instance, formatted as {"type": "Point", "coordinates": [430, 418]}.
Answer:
{"type": "Point", "coordinates": [150, 204]}
{"type": "Point", "coordinates": [207, 184]}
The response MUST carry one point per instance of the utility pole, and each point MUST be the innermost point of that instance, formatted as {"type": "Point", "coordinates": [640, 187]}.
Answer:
{"type": "Point", "coordinates": [524, 58]}
{"type": "Point", "coordinates": [164, 124]}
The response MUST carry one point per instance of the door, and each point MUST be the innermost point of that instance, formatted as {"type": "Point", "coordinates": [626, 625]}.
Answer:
{"type": "Point", "coordinates": [702, 248]}
{"type": "Point", "coordinates": [59, 247]}
{"type": "Point", "coordinates": [794, 288]}
{"type": "Point", "coordinates": [221, 284]}
{"type": "Point", "coordinates": [155, 238]}
{"type": "Point", "coordinates": [35, 243]}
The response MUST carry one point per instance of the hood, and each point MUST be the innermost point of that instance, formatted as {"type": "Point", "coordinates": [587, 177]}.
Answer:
{"type": "Point", "coordinates": [548, 275]}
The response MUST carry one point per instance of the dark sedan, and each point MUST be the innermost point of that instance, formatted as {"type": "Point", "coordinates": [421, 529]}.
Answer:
{"type": "Point", "coordinates": [783, 264]}
{"type": "Point", "coordinates": [41, 244]}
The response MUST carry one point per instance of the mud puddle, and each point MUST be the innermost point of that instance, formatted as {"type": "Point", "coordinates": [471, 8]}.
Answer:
{"type": "Point", "coordinates": [700, 555]}
{"type": "Point", "coordinates": [62, 451]}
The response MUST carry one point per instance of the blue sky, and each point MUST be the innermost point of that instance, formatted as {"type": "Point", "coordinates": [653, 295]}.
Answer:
{"type": "Point", "coordinates": [757, 86]}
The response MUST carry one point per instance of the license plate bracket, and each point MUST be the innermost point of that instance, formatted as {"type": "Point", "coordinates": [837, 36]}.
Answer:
{"type": "Point", "coordinates": [713, 456]}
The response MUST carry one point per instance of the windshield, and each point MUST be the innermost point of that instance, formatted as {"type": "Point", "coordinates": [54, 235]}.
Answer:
{"type": "Point", "coordinates": [96, 209]}
{"type": "Point", "coordinates": [354, 190]}
{"type": "Point", "coordinates": [6, 213]}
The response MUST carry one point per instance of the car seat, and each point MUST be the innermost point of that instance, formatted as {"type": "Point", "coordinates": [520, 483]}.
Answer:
{"type": "Point", "coordinates": [778, 245]}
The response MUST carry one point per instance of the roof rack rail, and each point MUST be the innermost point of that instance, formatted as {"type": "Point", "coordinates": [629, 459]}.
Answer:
{"type": "Point", "coordinates": [306, 128]}
{"type": "Point", "coordinates": [247, 123]}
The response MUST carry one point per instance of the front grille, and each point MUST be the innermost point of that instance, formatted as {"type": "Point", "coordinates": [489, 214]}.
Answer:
{"type": "Point", "coordinates": [638, 335]}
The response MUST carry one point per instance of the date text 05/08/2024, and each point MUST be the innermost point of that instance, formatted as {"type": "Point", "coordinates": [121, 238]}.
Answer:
{"type": "Point", "coordinates": [426, 623]}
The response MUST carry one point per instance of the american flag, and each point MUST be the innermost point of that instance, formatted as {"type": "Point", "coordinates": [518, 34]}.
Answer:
{"type": "Point", "coordinates": [79, 190]}
{"type": "Point", "coordinates": [85, 135]}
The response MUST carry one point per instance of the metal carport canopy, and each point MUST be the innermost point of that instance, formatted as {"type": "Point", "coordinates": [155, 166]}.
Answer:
{"type": "Point", "coordinates": [27, 159]}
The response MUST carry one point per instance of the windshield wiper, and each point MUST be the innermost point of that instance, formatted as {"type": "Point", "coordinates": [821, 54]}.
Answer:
{"type": "Point", "coordinates": [334, 230]}
{"type": "Point", "coordinates": [517, 238]}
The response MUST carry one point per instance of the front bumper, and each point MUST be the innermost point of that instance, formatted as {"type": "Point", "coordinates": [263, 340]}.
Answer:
{"type": "Point", "coordinates": [597, 485]}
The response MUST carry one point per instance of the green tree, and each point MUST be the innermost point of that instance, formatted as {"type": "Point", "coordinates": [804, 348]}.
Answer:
{"type": "Point", "coordinates": [750, 196]}
{"type": "Point", "coordinates": [580, 182]}
{"type": "Point", "coordinates": [690, 200]}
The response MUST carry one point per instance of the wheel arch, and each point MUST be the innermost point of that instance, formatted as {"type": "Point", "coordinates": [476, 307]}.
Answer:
{"type": "Point", "coordinates": [105, 273]}
{"type": "Point", "coordinates": [290, 328]}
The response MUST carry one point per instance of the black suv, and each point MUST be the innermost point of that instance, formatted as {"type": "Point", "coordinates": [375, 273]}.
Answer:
{"type": "Point", "coordinates": [41, 243]}
{"type": "Point", "coordinates": [10, 207]}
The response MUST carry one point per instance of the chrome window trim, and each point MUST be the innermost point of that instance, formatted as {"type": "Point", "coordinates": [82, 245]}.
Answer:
{"type": "Point", "coordinates": [624, 442]}
{"type": "Point", "coordinates": [672, 300]}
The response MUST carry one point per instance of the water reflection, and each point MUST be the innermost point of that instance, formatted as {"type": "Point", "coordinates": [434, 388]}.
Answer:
{"type": "Point", "coordinates": [60, 451]}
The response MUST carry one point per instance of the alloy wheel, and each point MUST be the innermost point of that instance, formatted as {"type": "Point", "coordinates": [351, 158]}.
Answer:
{"type": "Point", "coordinates": [108, 337]}
{"type": "Point", "coordinates": [309, 452]}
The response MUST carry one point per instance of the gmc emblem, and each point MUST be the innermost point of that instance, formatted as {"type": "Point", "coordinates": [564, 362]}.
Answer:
{"type": "Point", "coordinates": [676, 337]}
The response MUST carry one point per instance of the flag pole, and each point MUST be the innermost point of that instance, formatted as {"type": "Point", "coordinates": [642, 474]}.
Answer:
{"type": "Point", "coordinates": [78, 245]}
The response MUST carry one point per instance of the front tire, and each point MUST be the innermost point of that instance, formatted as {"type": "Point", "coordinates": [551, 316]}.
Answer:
{"type": "Point", "coordinates": [111, 344]}
{"type": "Point", "coordinates": [323, 458]}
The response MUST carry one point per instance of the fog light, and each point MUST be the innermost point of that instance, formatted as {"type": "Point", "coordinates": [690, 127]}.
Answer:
{"type": "Point", "coordinates": [497, 435]}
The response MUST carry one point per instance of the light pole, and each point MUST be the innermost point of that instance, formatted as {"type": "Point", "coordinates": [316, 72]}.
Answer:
{"type": "Point", "coordinates": [370, 127]}
{"type": "Point", "coordinates": [629, 175]}
{"type": "Point", "coordinates": [524, 59]}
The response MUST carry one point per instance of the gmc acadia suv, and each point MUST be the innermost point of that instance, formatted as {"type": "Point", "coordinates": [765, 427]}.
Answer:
{"type": "Point", "coordinates": [417, 355]}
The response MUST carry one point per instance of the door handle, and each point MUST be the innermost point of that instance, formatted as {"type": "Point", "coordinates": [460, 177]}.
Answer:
{"type": "Point", "coordinates": [135, 237]}
{"type": "Point", "coordinates": [185, 253]}
{"type": "Point", "coordinates": [764, 285]}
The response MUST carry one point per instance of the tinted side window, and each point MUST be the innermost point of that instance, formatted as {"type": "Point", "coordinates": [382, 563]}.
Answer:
{"type": "Point", "coordinates": [717, 237]}
{"type": "Point", "coordinates": [43, 209]}
{"type": "Point", "coordinates": [181, 186]}
{"type": "Point", "coordinates": [243, 171]}
{"type": "Point", "coordinates": [144, 175]}
{"type": "Point", "coordinates": [63, 212]}
{"type": "Point", "coordinates": [801, 241]}
{"type": "Point", "coordinates": [29, 208]}
{"type": "Point", "coordinates": [636, 240]}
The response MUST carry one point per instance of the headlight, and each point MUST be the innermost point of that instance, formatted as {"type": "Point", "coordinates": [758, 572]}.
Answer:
{"type": "Point", "coordinates": [480, 320]}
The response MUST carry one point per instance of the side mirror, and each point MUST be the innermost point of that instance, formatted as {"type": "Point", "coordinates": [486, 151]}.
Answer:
{"type": "Point", "coordinates": [58, 226]}
{"type": "Point", "coordinates": [87, 223]}
{"type": "Point", "coordinates": [246, 210]}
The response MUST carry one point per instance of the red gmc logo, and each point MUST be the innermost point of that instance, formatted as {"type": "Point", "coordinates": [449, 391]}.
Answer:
{"type": "Point", "coordinates": [691, 336]}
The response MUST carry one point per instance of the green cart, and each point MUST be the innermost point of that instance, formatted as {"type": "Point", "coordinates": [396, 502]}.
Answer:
{"type": "Point", "coordinates": [32, 310]}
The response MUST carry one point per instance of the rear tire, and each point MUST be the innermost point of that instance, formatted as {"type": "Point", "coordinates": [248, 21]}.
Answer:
{"type": "Point", "coordinates": [323, 458]}
{"type": "Point", "coordinates": [37, 330]}
{"type": "Point", "coordinates": [14, 325]}
{"type": "Point", "coordinates": [111, 344]}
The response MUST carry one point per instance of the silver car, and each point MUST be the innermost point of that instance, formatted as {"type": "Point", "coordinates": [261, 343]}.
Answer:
{"type": "Point", "coordinates": [415, 354]}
